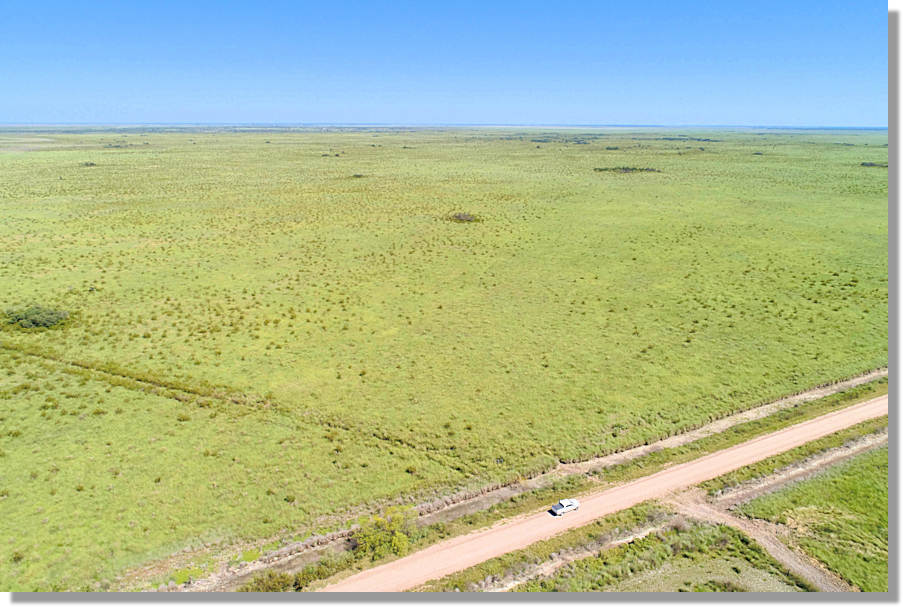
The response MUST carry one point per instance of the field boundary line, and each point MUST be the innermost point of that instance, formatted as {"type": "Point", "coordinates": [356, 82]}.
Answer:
{"type": "Point", "coordinates": [185, 394]}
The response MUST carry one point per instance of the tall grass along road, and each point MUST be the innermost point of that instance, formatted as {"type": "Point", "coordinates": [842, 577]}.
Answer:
{"type": "Point", "coordinates": [465, 551]}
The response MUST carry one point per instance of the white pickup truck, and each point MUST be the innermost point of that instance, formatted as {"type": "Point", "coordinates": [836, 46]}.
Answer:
{"type": "Point", "coordinates": [564, 506]}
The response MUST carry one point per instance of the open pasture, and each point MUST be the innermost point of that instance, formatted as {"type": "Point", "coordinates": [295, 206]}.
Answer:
{"type": "Point", "coordinates": [355, 340]}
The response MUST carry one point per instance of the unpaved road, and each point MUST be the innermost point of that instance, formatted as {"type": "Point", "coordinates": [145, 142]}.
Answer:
{"type": "Point", "coordinates": [466, 551]}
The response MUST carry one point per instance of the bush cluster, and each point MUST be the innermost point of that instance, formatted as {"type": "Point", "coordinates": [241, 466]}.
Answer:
{"type": "Point", "coordinates": [274, 581]}
{"type": "Point", "coordinates": [35, 316]}
{"type": "Point", "coordinates": [625, 170]}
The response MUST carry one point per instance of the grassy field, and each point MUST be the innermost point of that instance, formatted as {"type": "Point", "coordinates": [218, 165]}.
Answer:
{"type": "Point", "coordinates": [839, 517]}
{"type": "Point", "coordinates": [697, 557]}
{"type": "Point", "coordinates": [295, 314]}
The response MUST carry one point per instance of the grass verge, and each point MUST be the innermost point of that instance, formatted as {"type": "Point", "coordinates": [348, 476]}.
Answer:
{"type": "Point", "coordinates": [778, 462]}
{"type": "Point", "coordinates": [700, 544]}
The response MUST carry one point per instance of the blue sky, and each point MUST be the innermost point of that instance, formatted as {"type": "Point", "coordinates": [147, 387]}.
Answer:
{"type": "Point", "coordinates": [793, 63]}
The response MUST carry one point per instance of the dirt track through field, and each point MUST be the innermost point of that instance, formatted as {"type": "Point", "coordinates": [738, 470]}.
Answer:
{"type": "Point", "coordinates": [466, 551]}
{"type": "Point", "coordinates": [693, 504]}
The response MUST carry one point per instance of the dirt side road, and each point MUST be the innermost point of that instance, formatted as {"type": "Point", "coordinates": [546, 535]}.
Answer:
{"type": "Point", "coordinates": [466, 551]}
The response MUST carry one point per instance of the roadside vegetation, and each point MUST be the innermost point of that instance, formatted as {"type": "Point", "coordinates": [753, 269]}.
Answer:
{"type": "Point", "coordinates": [788, 458]}
{"type": "Point", "coordinates": [278, 342]}
{"type": "Point", "coordinates": [687, 557]}
{"type": "Point", "coordinates": [839, 517]}
{"type": "Point", "coordinates": [742, 432]}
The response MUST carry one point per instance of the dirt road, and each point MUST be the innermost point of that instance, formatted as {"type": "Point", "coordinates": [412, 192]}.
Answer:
{"type": "Point", "coordinates": [465, 551]}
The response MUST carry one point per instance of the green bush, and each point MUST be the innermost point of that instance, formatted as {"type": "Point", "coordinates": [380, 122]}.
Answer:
{"type": "Point", "coordinates": [35, 316]}
{"type": "Point", "coordinates": [384, 535]}
{"type": "Point", "coordinates": [272, 581]}
{"type": "Point", "coordinates": [269, 581]}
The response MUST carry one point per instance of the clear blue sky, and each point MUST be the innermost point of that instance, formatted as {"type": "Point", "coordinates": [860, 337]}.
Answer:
{"type": "Point", "coordinates": [795, 63]}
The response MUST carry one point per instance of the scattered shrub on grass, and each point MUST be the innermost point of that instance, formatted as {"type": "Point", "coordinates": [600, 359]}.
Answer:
{"type": "Point", "coordinates": [89, 164]}
{"type": "Point", "coordinates": [16, 556]}
{"type": "Point", "coordinates": [35, 317]}
{"type": "Point", "coordinates": [463, 217]}
{"type": "Point", "coordinates": [384, 535]}
{"type": "Point", "coordinates": [625, 170]}
{"type": "Point", "coordinates": [182, 417]}
{"type": "Point", "coordinates": [874, 164]}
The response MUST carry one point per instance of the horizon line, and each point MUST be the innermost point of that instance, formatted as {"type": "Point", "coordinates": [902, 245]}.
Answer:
{"type": "Point", "coordinates": [421, 125]}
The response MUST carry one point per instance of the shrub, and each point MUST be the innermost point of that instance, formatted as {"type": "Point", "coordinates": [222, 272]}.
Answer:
{"type": "Point", "coordinates": [320, 571]}
{"type": "Point", "coordinates": [384, 535]}
{"type": "Point", "coordinates": [272, 581]}
{"type": "Point", "coordinates": [463, 217]}
{"type": "Point", "coordinates": [35, 316]}
{"type": "Point", "coordinates": [625, 170]}
{"type": "Point", "coordinates": [269, 581]}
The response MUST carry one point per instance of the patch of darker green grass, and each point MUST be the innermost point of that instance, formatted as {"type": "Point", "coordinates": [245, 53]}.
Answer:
{"type": "Point", "coordinates": [35, 316]}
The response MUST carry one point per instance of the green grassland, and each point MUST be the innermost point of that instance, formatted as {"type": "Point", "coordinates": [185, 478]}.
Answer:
{"type": "Point", "coordinates": [839, 517]}
{"type": "Point", "coordinates": [299, 303]}
{"type": "Point", "coordinates": [699, 557]}
{"type": "Point", "coordinates": [98, 477]}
